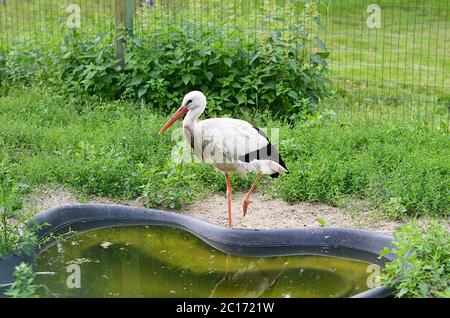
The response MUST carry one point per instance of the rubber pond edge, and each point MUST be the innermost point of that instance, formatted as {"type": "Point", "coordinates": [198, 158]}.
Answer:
{"type": "Point", "coordinates": [337, 242]}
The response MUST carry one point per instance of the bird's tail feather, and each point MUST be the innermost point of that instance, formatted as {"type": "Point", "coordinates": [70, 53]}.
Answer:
{"type": "Point", "coordinates": [264, 166]}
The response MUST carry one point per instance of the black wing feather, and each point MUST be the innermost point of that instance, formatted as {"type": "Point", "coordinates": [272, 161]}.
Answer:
{"type": "Point", "coordinates": [269, 152]}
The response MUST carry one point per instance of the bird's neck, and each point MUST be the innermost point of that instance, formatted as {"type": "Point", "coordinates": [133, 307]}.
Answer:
{"type": "Point", "coordinates": [192, 117]}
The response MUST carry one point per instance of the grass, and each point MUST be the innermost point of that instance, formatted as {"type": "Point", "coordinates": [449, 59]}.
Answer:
{"type": "Point", "coordinates": [348, 109]}
{"type": "Point", "coordinates": [381, 138]}
{"type": "Point", "coordinates": [386, 164]}
{"type": "Point", "coordinates": [113, 149]}
{"type": "Point", "coordinates": [408, 50]}
{"type": "Point", "coordinates": [396, 73]}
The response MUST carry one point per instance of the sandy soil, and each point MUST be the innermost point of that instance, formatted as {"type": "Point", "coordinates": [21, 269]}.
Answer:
{"type": "Point", "coordinates": [270, 213]}
{"type": "Point", "coordinates": [264, 212]}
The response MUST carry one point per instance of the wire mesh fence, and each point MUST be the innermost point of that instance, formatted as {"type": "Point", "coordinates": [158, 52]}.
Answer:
{"type": "Point", "coordinates": [391, 58]}
{"type": "Point", "coordinates": [388, 60]}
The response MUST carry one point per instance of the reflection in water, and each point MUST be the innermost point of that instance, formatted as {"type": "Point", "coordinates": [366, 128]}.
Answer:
{"type": "Point", "coordinates": [250, 281]}
{"type": "Point", "coordinates": [166, 262]}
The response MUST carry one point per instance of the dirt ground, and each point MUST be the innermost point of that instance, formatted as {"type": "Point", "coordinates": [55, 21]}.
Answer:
{"type": "Point", "coordinates": [270, 213]}
{"type": "Point", "coordinates": [263, 213]}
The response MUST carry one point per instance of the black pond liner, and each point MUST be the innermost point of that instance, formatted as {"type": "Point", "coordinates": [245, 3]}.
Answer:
{"type": "Point", "coordinates": [335, 242]}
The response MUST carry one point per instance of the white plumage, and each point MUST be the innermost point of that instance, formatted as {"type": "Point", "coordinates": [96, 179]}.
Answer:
{"type": "Point", "coordinates": [231, 145]}
{"type": "Point", "coordinates": [224, 141]}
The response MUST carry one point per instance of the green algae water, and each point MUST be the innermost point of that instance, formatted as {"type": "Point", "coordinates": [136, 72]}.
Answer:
{"type": "Point", "coordinates": [167, 262]}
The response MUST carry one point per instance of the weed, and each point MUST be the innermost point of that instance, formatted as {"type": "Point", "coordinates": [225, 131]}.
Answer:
{"type": "Point", "coordinates": [422, 267]}
{"type": "Point", "coordinates": [23, 285]}
{"type": "Point", "coordinates": [13, 235]}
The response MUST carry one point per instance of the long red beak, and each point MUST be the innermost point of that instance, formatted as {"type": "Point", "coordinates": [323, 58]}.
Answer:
{"type": "Point", "coordinates": [180, 112]}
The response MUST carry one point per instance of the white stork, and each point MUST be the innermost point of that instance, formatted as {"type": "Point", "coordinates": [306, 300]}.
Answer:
{"type": "Point", "coordinates": [231, 145]}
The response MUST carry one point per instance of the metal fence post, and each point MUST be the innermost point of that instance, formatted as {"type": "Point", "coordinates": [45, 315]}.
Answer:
{"type": "Point", "coordinates": [120, 34]}
{"type": "Point", "coordinates": [129, 15]}
{"type": "Point", "coordinates": [124, 10]}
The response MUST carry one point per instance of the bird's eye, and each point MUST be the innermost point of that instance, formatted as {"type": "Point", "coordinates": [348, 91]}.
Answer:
{"type": "Point", "coordinates": [189, 101]}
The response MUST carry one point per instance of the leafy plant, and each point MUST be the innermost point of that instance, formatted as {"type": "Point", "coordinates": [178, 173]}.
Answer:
{"type": "Point", "coordinates": [15, 234]}
{"type": "Point", "coordinates": [23, 285]}
{"type": "Point", "coordinates": [422, 266]}
{"type": "Point", "coordinates": [236, 74]}
{"type": "Point", "coordinates": [402, 171]}
{"type": "Point", "coordinates": [2, 66]}
{"type": "Point", "coordinates": [12, 234]}
{"type": "Point", "coordinates": [322, 222]}
{"type": "Point", "coordinates": [394, 208]}
{"type": "Point", "coordinates": [172, 186]}
{"type": "Point", "coordinates": [89, 66]}
{"type": "Point", "coordinates": [113, 149]}
{"type": "Point", "coordinates": [283, 70]}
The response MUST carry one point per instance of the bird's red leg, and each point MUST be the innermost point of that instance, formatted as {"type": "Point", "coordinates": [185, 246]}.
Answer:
{"type": "Point", "coordinates": [229, 192]}
{"type": "Point", "coordinates": [249, 194]}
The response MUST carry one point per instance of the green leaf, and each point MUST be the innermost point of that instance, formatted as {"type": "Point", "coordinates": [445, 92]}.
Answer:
{"type": "Point", "coordinates": [90, 75]}
{"type": "Point", "coordinates": [322, 222]}
{"type": "Point", "coordinates": [227, 61]}
{"type": "Point", "coordinates": [423, 288]}
{"type": "Point", "coordinates": [136, 81]}
{"type": "Point", "coordinates": [209, 75]}
{"type": "Point", "coordinates": [323, 55]}
{"type": "Point", "coordinates": [402, 292]}
{"type": "Point", "coordinates": [193, 79]}
{"type": "Point", "coordinates": [186, 78]}
{"type": "Point", "coordinates": [142, 91]}
{"type": "Point", "coordinates": [385, 251]}
{"type": "Point", "coordinates": [255, 57]}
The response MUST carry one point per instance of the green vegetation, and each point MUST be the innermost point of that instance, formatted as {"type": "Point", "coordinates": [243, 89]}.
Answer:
{"type": "Point", "coordinates": [269, 74]}
{"type": "Point", "coordinates": [23, 285]}
{"type": "Point", "coordinates": [394, 73]}
{"type": "Point", "coordinates": [113, 149]}
{"type": "Point", "coordinates": [70, 116]}
{"type": "Point", "coordinates": [423, 261]}
{"type": "Point", "coordinates": [13, 233]}
{"type": "Point", "coordinates": [404, 171]}
{"type": "Point", "coordinates": [405, 58]}
{"type": "Point", "coordinates": [276, 71]}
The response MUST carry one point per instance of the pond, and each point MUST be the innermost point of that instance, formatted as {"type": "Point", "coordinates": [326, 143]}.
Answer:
{"type": "Point", "coordinates": [153, 261]}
